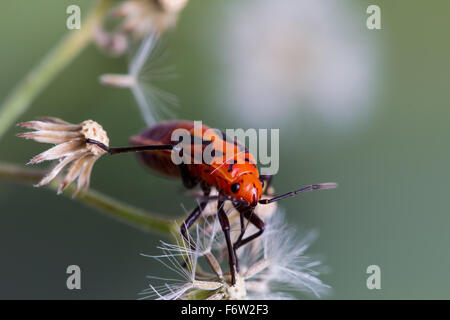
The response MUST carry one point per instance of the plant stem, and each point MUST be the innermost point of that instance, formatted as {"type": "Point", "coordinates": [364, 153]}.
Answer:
{"type": "Point", "coordinates": [113, 208]}
{"type": "Point", "coordinates": [54, 62]}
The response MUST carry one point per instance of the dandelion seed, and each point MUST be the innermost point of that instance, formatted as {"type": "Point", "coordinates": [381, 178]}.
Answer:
{"type": "Point", "coordinates": [144, 68]}
{"type": "Point", "coordinates": [71, 148]}
{"type": "Point", "coordinates": [118, 80]}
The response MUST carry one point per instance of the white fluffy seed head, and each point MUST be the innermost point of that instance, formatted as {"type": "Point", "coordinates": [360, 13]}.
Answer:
{"type": "Point", "coordinates": [273, 268]}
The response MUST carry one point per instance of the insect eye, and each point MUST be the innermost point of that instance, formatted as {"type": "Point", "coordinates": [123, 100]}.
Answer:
{"type": "Point", "coordinates": [235, 187]}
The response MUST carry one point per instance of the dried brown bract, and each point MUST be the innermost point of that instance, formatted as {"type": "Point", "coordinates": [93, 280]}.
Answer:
{"type": "Point", "coordinates": [71, 148]}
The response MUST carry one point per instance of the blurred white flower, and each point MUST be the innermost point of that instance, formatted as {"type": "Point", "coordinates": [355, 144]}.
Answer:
{"type": "Point", "coordinates": [286, 55]}
{"type": "Point", "coordinates": [274, 270]}
{"type": "Point", "coordinates": [71, 147]}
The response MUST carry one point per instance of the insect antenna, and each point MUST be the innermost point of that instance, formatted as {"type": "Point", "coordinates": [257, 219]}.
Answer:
{"type": "Point", "coordinates": [321, 186]}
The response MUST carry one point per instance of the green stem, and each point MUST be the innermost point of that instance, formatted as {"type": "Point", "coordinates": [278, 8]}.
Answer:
{"type": "Point", "coordinates": [54, 62]}
{"type": "Point", "coordinates": [113, 208]}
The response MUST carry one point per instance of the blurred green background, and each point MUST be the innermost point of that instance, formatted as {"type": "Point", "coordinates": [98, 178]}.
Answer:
{"type": "Point", "coordinates": [387, 148]}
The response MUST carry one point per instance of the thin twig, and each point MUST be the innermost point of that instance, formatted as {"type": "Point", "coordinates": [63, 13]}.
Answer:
{"type": "Point", "coordinates": [111, 207]}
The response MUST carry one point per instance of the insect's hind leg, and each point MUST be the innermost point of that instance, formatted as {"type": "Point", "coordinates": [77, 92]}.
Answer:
{"type": "Point", "coordinates": [193, 216]}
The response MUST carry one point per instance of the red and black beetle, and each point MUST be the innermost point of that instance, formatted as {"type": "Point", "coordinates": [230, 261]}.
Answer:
{"type": "Point", "coordinates": [237, 178]}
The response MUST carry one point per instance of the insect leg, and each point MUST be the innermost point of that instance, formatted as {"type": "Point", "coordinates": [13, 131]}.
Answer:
{"type": "Point", "coordinates": [190, 221]}
{"type": "Point", "coordinates": [253, 219]}
{"type": "Point", "coordinates": [238, 207]}
{"type": "Point", "coordinates": [193, 216]}
{"type": "Point", "coordinates": [225, 224]}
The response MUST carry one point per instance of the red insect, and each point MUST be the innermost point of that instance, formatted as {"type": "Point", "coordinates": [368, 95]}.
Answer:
{"type": "Point", "coordinates": [237, 178]}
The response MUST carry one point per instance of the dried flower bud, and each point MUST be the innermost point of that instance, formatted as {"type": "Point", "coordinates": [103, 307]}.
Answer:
{"type": "Point", "coordinates": [71, 148]}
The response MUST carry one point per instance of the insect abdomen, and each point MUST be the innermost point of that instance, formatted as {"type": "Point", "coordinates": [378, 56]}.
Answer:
{"type": "Point", "coordinates": [218, 174]}
{"type": "Point", "coordinates": [160, 161]}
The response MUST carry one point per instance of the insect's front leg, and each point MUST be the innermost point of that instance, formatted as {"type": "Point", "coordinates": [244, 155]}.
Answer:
{"type": "Point", "coordinates": [238, 207]}
{"type": "Point", "coordinates": [249, 214]}
{"type": "Point", "coordinates": [225, 224]}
